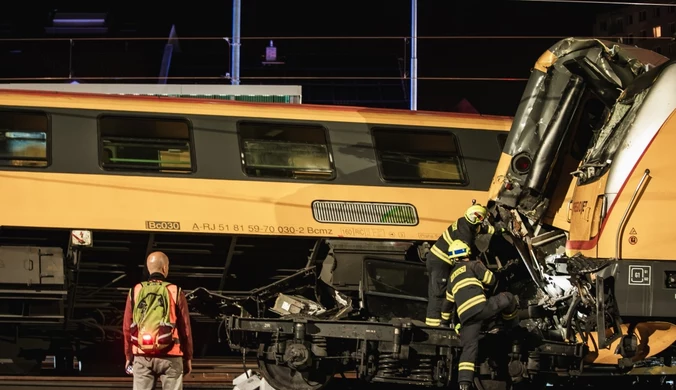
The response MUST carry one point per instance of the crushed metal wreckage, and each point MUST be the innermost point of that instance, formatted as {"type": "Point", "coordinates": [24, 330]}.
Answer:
{"type": "Point", "coordinates": [305, 331]}
{"type": "Point", "coordinates": [299, 294]}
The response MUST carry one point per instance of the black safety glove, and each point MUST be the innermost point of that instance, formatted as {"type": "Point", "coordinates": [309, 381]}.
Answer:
{"type": "Point", "coordinates": [500, 227]}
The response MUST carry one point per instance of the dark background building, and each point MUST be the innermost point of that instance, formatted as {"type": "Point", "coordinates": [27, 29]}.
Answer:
{"type": "Point", "coordinates": [320, 45]}
{"type": "Point", "coordinates": [649, 27]}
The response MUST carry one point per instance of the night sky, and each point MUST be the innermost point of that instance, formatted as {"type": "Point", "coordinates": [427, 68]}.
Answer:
{"type": "Point", "coordinates": [263, 20]}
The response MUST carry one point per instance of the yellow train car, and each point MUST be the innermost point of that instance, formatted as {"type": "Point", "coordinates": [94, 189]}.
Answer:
{"type": "Point", "coordinates": [235, 193]}
{"type": "Point", "coordinates": [153, 164]}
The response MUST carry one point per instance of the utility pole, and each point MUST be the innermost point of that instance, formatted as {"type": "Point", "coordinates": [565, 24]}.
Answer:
{"type": "Point", "coordinates": [414, 55]}
{"type": "Point", "coordinates": [235, 44]}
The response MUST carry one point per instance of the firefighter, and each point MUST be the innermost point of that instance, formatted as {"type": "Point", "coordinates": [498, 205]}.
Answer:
{"type": "Point", "coordinates": [439, 264]}
{"type": "Point", "coordinates": [468, 302]}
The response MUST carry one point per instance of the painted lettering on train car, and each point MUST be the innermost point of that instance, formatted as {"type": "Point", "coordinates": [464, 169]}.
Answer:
{"type": "Point", "coordinates": [579, 206]}
{"type": "Point", "coordinates": [163, 225]}
{"type": "Point", "coordinates": [362, 232]}
{"type": "Point", "coordinates": [319, 231]}
{"type": "Point", "coordinates": [272, 229]}
{"type": "Point", "coordinates": [259, 229]}
{"type": "Point", "coordinates": [210, 227]}
{"type": "Point", "coordinates": [428, 236]}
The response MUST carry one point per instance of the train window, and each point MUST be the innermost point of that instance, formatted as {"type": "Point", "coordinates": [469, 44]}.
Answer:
{"type": "Point", "coordinates": [147, 144]}
{"type": "Point", "coordinates": [24, 139]}
{"type": "Point", "coordinates": [285, 150]}
{"type": "Point", "coordinates": [502, 140]}
{"type": "Point", "coordinates": [418, 156]}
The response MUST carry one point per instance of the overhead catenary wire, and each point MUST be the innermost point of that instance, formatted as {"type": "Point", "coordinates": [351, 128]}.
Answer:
{"type": "Point", "coordinates": [278, 38]}
{"type": "Point", "coordinates": [261, 78]}
{"type": "Point", "coordinates": [633, 3]}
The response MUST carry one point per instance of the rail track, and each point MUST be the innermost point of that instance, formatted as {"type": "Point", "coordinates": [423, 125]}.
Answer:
{"type": "Point", "coordinates": [98, 383]}
{"type": "Point", "coordinates": [206, 374]}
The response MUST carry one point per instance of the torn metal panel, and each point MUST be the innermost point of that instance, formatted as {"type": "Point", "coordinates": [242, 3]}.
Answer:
{"type": "Point", "coordinates": [294, 304]}
{"type": "Point", "coordinates": [302, 290]}
{"type": "Point", "coordinates": [215, 305]}
{"type": "Point", "coordinates": [286, 305]}
{"type": "Point", "coordinates": [298, 281]}
{"type": "Point", "coordinates": [546, 119]}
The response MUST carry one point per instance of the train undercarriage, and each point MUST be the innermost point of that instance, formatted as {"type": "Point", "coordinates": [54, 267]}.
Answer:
{"type": "Point", "coordinates": [62, 304]}
{"type": "Point", "coordinates": [326, 307]}
{"type": "Point", "coordinates": [375, 331]}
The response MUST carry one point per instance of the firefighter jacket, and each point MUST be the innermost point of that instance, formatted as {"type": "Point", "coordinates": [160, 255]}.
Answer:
{"type": "Point", "coordinates": [466, 288]}
{"type": "Point", "coordinates": [459, 230]}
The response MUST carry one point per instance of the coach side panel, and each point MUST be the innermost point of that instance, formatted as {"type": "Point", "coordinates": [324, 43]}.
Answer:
{"type": "Point", "coordinates": [219, 194]}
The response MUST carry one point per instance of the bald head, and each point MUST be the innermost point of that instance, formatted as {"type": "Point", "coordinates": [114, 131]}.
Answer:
{"type": "Point", "coordinates": [158, 262]}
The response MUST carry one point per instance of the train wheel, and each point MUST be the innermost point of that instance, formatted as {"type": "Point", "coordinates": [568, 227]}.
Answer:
{"type": "Point", "coordinates": [283, 377]}
{"type": "Point", "coordinates": [489, 384]}
{"type": "Point", "coordinates": [300, 367]}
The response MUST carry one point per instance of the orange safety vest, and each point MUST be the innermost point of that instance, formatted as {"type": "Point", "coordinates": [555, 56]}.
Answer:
{"type": "Point", "coordinates": [173, 295]}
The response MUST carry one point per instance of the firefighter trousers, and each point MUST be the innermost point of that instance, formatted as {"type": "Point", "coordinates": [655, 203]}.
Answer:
{"type": "Point", "coordinates": [471, 330]}
{"type": "Point", "coordinates": [438, 307]}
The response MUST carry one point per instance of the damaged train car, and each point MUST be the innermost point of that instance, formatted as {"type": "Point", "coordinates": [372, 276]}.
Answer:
{"type": "Point", "coordinates": [583, 185]}
{"type": "Point", "coordinates": [237, 194]}
{"type": "Point", "coordinates": [356, 311]}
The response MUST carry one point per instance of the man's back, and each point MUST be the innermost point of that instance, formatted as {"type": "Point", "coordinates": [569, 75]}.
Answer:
{"type": "Point", "coordinates": [157, 331]}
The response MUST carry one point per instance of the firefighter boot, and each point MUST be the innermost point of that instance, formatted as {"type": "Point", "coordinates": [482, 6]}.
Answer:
{"type": "Point", "coordinates": [465, 385]}
{"type": "Point", "coordinates": [510, 316]}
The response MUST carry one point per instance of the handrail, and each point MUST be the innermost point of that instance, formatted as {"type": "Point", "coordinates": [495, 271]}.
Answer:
{"type": "Point", "coordinates": [623, 221]}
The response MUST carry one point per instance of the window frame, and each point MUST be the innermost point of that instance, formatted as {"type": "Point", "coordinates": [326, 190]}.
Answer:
{"type": "Point", "coordinates": [327, 140]}
{"type": "Point", "coordinates": [159, 171]}
{"type": "Point", "coordinates": [464, 177]}
{"type": "Point", "coordinates": [48, 140]}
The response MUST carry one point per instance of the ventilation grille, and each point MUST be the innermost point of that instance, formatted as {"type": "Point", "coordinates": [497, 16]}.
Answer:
{"type": "Point", "coordinates": [366, 213]}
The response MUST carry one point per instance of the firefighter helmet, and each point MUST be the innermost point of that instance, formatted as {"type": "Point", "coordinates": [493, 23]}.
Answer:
{"type": "Point", "coordinates": [476, 214]}
{"type": "Point", "coordinates": [458, 250]}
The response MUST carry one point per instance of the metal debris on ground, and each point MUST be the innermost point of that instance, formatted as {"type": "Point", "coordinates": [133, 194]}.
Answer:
{"type": "Point", "coordinates": [251, 381]}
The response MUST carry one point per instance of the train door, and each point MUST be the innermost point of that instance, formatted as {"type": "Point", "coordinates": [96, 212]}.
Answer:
{"type": "Point", "coordinates": [589, 117]}
{"type": "Point", "coordinates": [586, 211]}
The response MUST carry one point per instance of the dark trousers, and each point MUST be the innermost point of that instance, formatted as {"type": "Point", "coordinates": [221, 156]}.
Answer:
{"type": "Point", "coordinates": [438, 307]}
{"type": "Point", "coordinates": [471, 330]}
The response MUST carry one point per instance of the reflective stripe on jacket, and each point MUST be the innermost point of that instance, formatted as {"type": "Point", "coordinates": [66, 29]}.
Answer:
{"type": "Point", "coordinates": [466, 288]}
{"type": "Point", "coordinates": [459, 230]}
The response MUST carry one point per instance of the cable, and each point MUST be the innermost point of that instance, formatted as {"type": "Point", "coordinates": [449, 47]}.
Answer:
{"type": "Point", "coordinates": [600, 2]}
{"type": "Point", "coordinates": [10, 79]}
{"type": "Point", "coordinates": [259, 78]}
{"type": "Point", "coordinates": [288, 38]}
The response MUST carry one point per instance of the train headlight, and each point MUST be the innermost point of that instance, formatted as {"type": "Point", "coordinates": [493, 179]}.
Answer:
{"type": "Point", "coordinates": [521, 163]}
